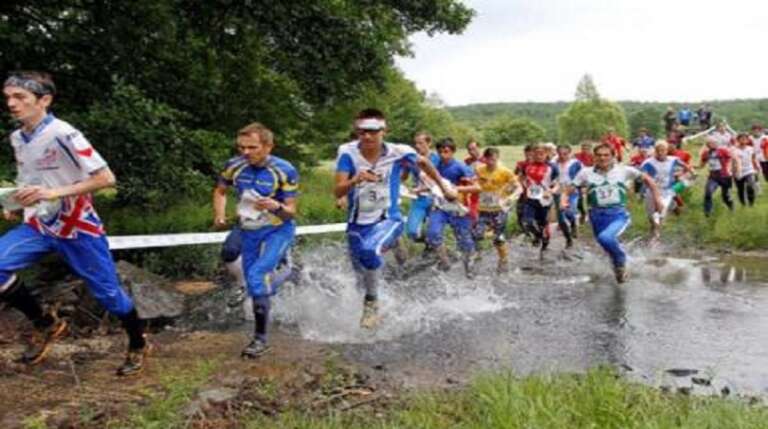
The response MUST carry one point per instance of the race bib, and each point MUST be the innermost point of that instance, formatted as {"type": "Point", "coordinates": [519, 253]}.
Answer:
{"type": "Point", "coordinates": [607, 195]}
{"type": "Point", "coordinates": [535, 192]}
{"type": "Point", "coordinates": [490, 200]}
{"type": "Point", "coordinates": [372, 197]}
{"type": "Point", "coordinates": [250, 216]}
{"type": "Point", "coordinates": [714, 164]}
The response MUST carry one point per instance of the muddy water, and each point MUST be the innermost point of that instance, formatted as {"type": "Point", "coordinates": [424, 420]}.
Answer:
{"type": "Point", "coordinates": [703, 318]}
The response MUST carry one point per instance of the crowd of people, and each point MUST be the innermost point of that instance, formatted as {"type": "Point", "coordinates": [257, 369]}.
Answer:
{"type": "Point", "coordinates": [58, 169]}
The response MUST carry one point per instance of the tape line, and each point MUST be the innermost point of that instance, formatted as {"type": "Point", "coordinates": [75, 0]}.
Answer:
{"type": "Point", "coordinates": [122, 242]}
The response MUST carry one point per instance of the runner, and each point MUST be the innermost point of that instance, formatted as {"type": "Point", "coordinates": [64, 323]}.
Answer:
{"type": "Point", "coordinates": [637, 160]}
{"type": "Point", "coordinates": [421, 206]}
{"type": "Point", "coordinates": [568, 168]}
{"type": "Point", "coordinates": [368, 172]}
{"type": "Point", "coordinates": [474, 160]}
{"type": "Point", "coordinates": [617, 143]}
{"type": "Point", "coordinates": [666, 172]}
{"type": "Point", "coordinates": [644, 142]}
{"type": "Point", "coordinates": [540, 185]}
{"type": "Point", "coordinates": [463, 179]}
{"type": "Point", "coordinates": [721, 135]}
{"type": "Point", "coordinates": [497, 183]}
{"type": "Point", "coordinates": [520, 173]}
{"type": "Point", "coordinates": [718, 159]}
{"type": "Point", "coordinates": [587, 160]}
{"type": "Point", "coordinates": [760, 143]}
{"type": "Point", "coordinates": [266, 188]}
{"type": "Point", "coordinates": [606, 185]}
{"type": "Point", "coordinates": [746, 180]}
{"type": "Point", "coordinates": [57, 171]}
{"type": "Point", "coordinates": [686, 158]}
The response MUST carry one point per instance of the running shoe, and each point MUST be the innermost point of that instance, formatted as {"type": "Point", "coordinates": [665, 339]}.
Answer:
{"type": "Point", "coordinates": [370, 315]}
{"type": "Point", "coordinates": [254, 349]}
{"type": "Point", "coordinates": [40, 341]}
{"type": "Point", "coordinates": [621, 274]}
{"type": "Point", "coordinates": [134, 361]}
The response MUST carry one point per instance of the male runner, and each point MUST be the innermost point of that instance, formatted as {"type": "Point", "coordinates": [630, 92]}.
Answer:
{"type": "Point", "coordinates": [586, 159]}
{"type": "Point", "coordinates": [473, 160]}
{"type": "Point", "coordinates": [617, 143]}
{"type": "Point", "coordinates": [665, 171]}
{"type": "Point", "coordinates": [368, 172]}
{"type": "Point", "coordinates": [606, 185]}
{"type": "Point", "coordinates": [746, 180]}
{"type": "Point", "coordinates": [497, 183]}
{"type": "Point", "coordinates": [421, 206]}
{"type": "Point", "coordinates": [266, 188]}
{"type": "Point", "coordinates": [461, 176]}
{"type": "Point", "coordinates": [520, 173]}
{"type": "Point", "coordinates": [718, 159]}
{"type": "Point", "coordinates": [540, 185]}
{"type": "Point", "coordinates": [57, 171]}
{"type": "Point", "coordinates": [568, 168]}
{"type": "Point", "coordinates": [644, 141]}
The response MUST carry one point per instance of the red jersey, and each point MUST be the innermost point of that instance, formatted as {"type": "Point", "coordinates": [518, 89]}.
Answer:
{"type": "Point", "coordinates": [472, 201]}
{"type": "Point", "coordinates": [617, 143]}
{"type": "Point", "coordinates": [719, 161]}
{"type": "Point", "coordinates": [637, 159]}
{"type": "Point", "coordinates": [683, 156]}
{"type": "Point", "coordinates": [585, 158]}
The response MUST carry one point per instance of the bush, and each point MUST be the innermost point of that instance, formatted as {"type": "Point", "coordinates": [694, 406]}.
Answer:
{"type": "Point", "coordinates": [508, 130]}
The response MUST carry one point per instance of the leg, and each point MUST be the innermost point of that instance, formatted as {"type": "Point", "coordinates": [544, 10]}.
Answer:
{"type": "Point", "coordinates": [483, 221]}
{"type": "Point", "coordinates": [438, 219]}
{"type": "Point", "coordinates": [751, 185]}
{"type": "Point", "coordinates": [462, 230]}
{"type": "Point", "coordinates": [726, 183]}
{"type": "Point", "coordinates": [741, 190]}
{"type": "Point", "coordinates": [416, 216]}
{"type": "Point", "coordinates": [562, 221]}
{"type": "Point", "coordinates": [764, 168]}
{"type": "Point", "coordinates": [530, 225]}
{"type": "Point", "coordinates": [607, 228]}
{"type": "Point", "coordinates": [709, 191]}
{"type": "Point", "coordinates": [541, 214]}
{"type": "Point", "coordinates": [499, 239]}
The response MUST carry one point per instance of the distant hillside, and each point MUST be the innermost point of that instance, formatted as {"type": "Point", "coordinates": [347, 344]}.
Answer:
{"type": "Point", "coordinates": [741, 114]}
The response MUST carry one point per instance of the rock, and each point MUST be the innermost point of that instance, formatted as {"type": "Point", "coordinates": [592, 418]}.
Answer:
{"type": "Point", "coordinates": [218, 396]}
{"type": "Point", "coordinates": [682, 372]}
{"type": "Point", "coordinates": [701, 381]}
{"type": "Point", "coordinates": [725, 391]}
{"type": "Point", "coordinates": [154, 296]}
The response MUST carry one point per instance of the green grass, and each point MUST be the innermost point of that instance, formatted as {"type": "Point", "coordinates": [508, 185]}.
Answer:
{"type": "Point", "coordinates": [597, 399]}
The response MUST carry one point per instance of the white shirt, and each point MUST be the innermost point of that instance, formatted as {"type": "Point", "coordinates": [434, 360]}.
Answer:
{"type": "Point", "coordinates": [745, 155]}
{"type": "Point", "coordinates": [56, 154]}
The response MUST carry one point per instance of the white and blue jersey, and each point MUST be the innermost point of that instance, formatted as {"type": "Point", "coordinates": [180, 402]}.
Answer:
{"type": "Point", "coordinates": [568, 171]}
{"type": "Point", "coordinates": [372, 202]}
{"type": "Point", "coordinates": [645, 143]}
{"type": "Point", "coordinates": [662, 172]}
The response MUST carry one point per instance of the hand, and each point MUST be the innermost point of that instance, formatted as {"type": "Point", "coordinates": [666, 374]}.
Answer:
{"type": "Point", "coordinates": [367, 176]}
{"type": "Point", "coordinates": [220, 223]}
{"type": "Point", "coordinates": [30, 195]}
{"type": "Point", "coordinates": [10, 216]}
{"type": "Point", "coordinates": [268, 204]}
{"type": "Point", "coordinates": [450, 194]}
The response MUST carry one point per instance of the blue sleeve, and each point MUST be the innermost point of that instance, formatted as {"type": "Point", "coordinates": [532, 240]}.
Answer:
{"type": "Point", "coordinates": [290, 187]}
{"type": "Point", "coordinates": [468, 172]}
{"type": "Point", "coordinates": [434, 159]}
{"type": "Point", "coordinates": [555, 171]}
{"type": "Point", "coordinates": [575, 168]}
{"type": "Point", "coordinates": [345, 165]}
{"type": "Point", "coordinates": [648, 169]}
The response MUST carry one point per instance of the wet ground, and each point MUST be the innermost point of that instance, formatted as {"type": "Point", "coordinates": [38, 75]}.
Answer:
{"type": "Point", "coordinates": [679, 322]}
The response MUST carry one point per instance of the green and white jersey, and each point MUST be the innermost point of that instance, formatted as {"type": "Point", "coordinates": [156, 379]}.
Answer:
{"type": "Point", "coordinates": [607, 188]}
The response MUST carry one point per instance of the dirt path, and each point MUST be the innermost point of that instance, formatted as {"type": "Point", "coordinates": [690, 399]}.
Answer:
{"type": "Point", "coordinates": [76, 386]}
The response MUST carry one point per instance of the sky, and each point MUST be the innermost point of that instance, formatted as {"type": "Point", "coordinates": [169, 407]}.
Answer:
{"type": "Point", "coordinates": [645, 50]}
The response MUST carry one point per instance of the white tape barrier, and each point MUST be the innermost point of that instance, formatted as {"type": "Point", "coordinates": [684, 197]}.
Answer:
{"type": "Point", "coordinates": [171, 240]}
{"type": "Point", "coordinates": [697, 135]}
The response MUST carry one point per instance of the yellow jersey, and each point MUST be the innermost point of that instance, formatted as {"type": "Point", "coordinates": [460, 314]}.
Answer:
{"type": "Point", "coordinates": [494, 186]}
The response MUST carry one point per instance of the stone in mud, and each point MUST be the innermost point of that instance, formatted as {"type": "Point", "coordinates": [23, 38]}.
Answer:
{"type": "Point", "coordinates": [682, 372]}
{"type": "Point", "coordinates": [701, 381]}
{"type": "Point", "coordinates": [218, 396]}
{"type": "Point", "coordinates": [154, 296]}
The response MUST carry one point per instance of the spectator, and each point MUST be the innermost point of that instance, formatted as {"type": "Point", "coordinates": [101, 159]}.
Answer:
{"type": "Point", "coordinates": [644, 142]}
{"type": "Point", "coordinates": [670, 119]}
{"type": "Point", "coordinates": [684, 116]}
{"type": "Point", "coordinates": [705, 116]}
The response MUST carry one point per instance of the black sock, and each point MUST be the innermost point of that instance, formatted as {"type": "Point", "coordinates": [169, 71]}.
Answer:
{"type": "Point", "coordinates": [18, 297]}
{"type": "Point", "coordinates": [261, 307]}
{"type": "Point", "coordinates": [134, 327]}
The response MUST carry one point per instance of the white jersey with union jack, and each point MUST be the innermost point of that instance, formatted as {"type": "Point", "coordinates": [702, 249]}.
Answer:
{"type": "Point", "coordinates": [57, 154]}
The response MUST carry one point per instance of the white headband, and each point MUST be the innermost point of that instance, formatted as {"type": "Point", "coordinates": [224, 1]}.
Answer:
{"type": "Point", "coordinates": [371, 124]}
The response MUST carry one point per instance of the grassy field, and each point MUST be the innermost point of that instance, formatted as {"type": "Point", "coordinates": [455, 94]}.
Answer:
{"type": "Point", "coordinates": [597, 399]}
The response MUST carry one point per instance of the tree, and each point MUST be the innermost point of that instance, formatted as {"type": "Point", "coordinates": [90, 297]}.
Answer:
{"type": "Point", "coordinates": [586, 89]}
{"type": "Point", "coordinates": [508, 130]}
{"type": "Point", "coordinates": [649, 118]}
{"type": "Point", "coordinates": [590, 120]}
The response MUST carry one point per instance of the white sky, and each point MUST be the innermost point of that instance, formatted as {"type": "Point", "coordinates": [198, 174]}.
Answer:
{"type": "Point", "coordinates": [646, 50]}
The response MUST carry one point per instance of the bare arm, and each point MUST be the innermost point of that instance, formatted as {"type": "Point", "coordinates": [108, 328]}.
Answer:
{"type": "Point", "coordinates": [220, 205]}
{"type": "Point", "coordinates": [102, 178]}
